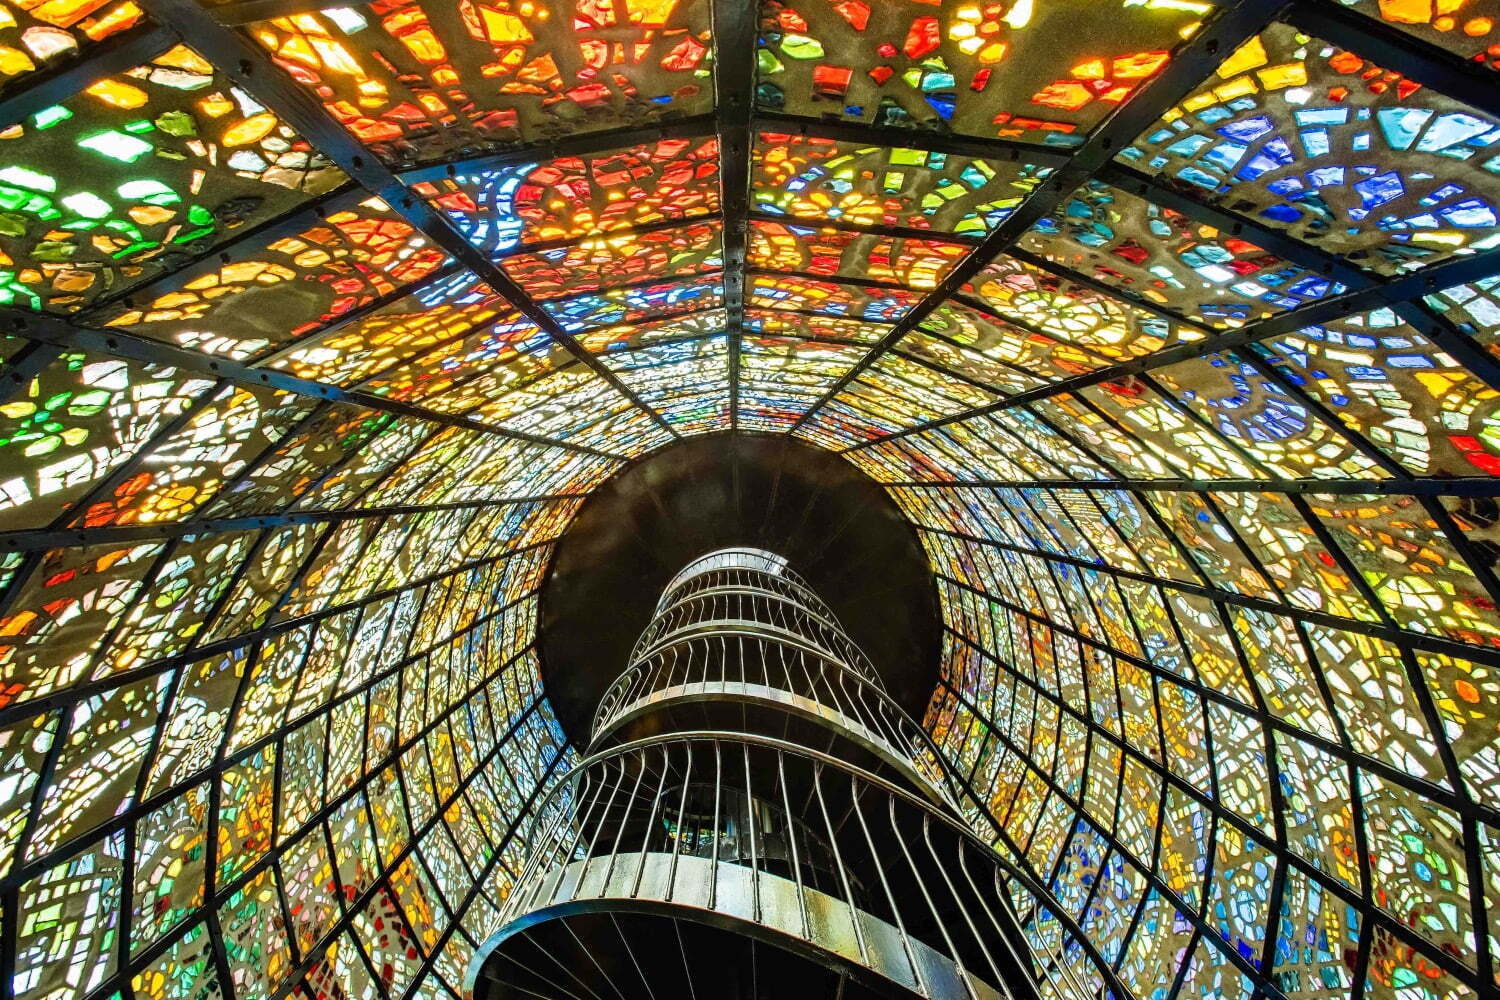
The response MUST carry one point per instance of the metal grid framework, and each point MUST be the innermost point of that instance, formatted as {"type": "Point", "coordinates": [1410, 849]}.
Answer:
{"type": "Point", "coordinates": [1181, 361]}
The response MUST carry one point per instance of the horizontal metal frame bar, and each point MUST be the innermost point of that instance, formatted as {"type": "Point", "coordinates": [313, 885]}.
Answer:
{"type": "Point", "coordinates": [36, 541]}
{"type": "Point", "coordinates": [837, 279]}
{"type": "Point", "coordinates": [861, 229]}
{"type": "Point", "coordinates": [253, 69]}
{"type": "Point", "coordinates": [1469, 486]}
{"type": "Point", "coordinates": [55, 84]}
{"type": "Point", "coordinates": [898, 137]}
{"type": "Point", "coordinates": [1192, 63]}
{"type": "Point", "coordinates": [1396, 636]}
{"type": "Point", "coordinates": [237, 12]}
{"type": "Point", "coordinates": [1452, 272]}
{"type": "Point", "coordinates": [578, 144]}
{"type": "Point", "coordinates": [49, 329]}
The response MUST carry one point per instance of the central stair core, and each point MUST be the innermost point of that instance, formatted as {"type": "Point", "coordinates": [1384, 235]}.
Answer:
{"type": "Point", "coordinates": [756, 817]}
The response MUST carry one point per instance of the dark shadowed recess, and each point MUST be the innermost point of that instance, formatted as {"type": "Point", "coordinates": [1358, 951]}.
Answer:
{"type": "Point", "coordinates": [834, 525]}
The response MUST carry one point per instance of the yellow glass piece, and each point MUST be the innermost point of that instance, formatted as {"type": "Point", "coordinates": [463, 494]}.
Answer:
{"type": "Point", "coordinates": [1417, 11]}
{"type": "Point", "coordinates": [504, 27]}
{"type": "Point", "coordinates": [1292, 74]}
{"type": "Point", "coordinates": [216, 105]}
{"type": "Point", "coordinates": [1251, 55]}
{"type": "Point", "coordinates": [14, 61]}
{"type": "Point", "coordinates": [183, 58]}
{"type": "Point", "coordinates": [66, 13]}
{"type": "Point", "coordinates": [252, 129]}
{"type": "Point", "coordinates": [650, 13]}
{"type": "Point", "coordinates": [117, 94]}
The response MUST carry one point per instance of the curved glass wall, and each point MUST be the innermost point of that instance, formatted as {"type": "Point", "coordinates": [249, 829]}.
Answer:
{"type": "Point", "coordinates": [1171, 324]}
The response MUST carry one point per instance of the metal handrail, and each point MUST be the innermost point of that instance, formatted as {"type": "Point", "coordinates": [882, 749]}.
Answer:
{"type": "Point", "coordinates": [736, 557]}
{"type": "Point", "coordinates": [859, 702]}
{"type": "Point", "coordinates": [731, 606]}
{"type": "Point", "coordinates": [904, 870]}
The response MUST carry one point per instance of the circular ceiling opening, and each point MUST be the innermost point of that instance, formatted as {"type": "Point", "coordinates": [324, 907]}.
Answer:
{"type": "Point", "coordinates": [836, 527]}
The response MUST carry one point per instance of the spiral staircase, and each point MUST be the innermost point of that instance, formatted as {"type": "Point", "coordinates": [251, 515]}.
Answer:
{"type": "Point", "coordinates": [757, 818]}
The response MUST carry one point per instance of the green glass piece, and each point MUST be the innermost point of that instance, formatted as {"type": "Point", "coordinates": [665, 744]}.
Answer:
{"type": "Point", "coordinates": [149, 191]}
{"type": "Point", "coordinates": [116, 145]}
{"type": "Point", "coordinates": [177, 123]}
{"type": "Point", "coordinates": [48, 117]}
{"type": "Point", "coordinates": [28, 178]}
{"type": "Point", "coordinates": [54, 251]}
{"type": "Point", "coordinates": [88, 205]}
{"type": "Point", "coordinates": [801, 47]}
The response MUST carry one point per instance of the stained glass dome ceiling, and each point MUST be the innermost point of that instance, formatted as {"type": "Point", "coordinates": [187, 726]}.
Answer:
{"type": "Point", "coordinates": [1170, 325]}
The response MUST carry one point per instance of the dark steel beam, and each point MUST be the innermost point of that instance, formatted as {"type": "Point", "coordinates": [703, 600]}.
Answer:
{"type": "Point", "coordinates": [1396, 636]}
{"type": "Point", "coordinates": [840, 279]}
{"type": "Point", "coordinates": [57, 84]}
{"type": "Point", "coordinates": [253, 69]}
{"type": "Point", "coordinates": [237, 12]}
{"type": "Point", "coordinates": [1192, 63]}
{"type": "Point", "coordinates": [736, 30]}
{"type": "Point", "coordinates": [49, 329]}
{"type": "Point", "coordinates": [646, 282]}
{"type": "Point", "coordinates": [40, 541]}
{"type": "Point", "coordinates": [579, 144]}
{"type": "Point", "coordinates": [895, 136]}
{"type": "Point", "coordinates": [862, 229]}
{"type": "Point", "coordinates": [1469, 486]}
{"type": "Point", "coordinates": [1393, 49]}
{"type": "Point", "coordinates": [1451, 272]}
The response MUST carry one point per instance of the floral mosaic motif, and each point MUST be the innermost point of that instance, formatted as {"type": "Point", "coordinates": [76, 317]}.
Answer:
{"type": "Point", "coordinates": [499, 209]}
{"type": "Point", "coordinates": [171, 158]}
{"type": "Point", "coordinates": [1312, 139]}
{"type": "Point", "coordinates": [417, 80]}
{"type": "Point", "coordinates": [1007, 68]}
{"type": "Point", "coordinates": [809, 178]}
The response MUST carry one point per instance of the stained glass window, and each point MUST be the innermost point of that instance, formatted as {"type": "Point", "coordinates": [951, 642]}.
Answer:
{"type": "Point", "coordinates": [1171, 326]}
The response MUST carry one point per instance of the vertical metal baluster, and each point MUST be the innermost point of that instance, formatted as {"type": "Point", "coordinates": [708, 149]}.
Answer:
{"type": "Point", "coordinates": [838, 864]}
{"type": "Point", "coordinates": [713, 885]}
{"type": "Point", "coordinates": [687, 778]}
{"type": "Point", "coordinates": [911, 958]}
{"type": "Point", "coordinates": [661, 788]}
{"type": "Point", "coordinates": [791, 837]}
